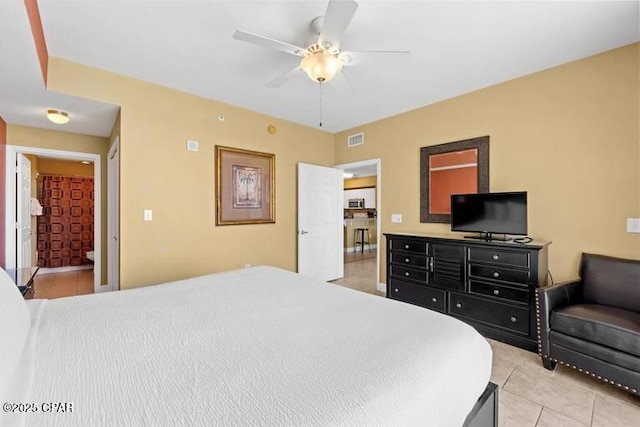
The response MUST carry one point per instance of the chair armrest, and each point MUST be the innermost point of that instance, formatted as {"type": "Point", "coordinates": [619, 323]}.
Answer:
{"type": "Point", "coordinates": [552, 298]}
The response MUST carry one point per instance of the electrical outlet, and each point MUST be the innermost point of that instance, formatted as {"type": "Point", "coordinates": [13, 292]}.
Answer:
{"type": "Point", "coordinates": [148, 215]}
{"type": "Point", "coordinates": [633, 225]}
{"type": "Point", "coordinates": [396, 218]}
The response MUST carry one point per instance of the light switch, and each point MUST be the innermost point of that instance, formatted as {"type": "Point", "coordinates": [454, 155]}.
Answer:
{"type": "Point", "coordinates": [633, 225]}
{"type": "Point", "coordinates": [148, 215]}
{"type": "Point", "coordinates": [396, 218]}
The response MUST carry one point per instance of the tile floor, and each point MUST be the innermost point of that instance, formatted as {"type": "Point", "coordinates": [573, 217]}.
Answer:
{"type": "Point", "coordinates": [57, 285]}
{"type": "Point", "coordinates": [530, 395]}
{"type": "Point", "coordinates": [360, 272]}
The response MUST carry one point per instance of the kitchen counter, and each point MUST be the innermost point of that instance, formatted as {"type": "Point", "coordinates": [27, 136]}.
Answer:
{"type": "Point", "coordinates": [351, 224]}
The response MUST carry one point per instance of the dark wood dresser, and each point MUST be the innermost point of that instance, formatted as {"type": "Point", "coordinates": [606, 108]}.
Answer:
{"type": "Point", "coordinates": [488, 284]}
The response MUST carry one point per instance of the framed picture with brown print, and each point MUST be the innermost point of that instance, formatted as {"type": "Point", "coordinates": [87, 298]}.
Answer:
{"type": "Point", "coordinates": [245, 186]}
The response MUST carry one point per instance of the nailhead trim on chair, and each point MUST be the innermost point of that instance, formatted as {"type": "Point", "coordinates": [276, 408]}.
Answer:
{"type": "Point", "coordinates": [626, 387]}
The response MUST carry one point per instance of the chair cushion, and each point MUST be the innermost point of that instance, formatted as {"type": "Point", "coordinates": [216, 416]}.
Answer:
{"type": "Point", "coordinates": [610, 326]}
{"type": "Point", "coordinates": [611, 281]}
{"type": "Point", "coordinates": [594, 350]}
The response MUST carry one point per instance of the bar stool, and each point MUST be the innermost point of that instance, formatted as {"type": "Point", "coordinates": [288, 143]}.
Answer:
{"type": "Point", "coordinates": [361, 232]}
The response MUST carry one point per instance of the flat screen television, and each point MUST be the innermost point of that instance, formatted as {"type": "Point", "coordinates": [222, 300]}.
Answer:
{"type": "Point", "coordinates": [488, 213]}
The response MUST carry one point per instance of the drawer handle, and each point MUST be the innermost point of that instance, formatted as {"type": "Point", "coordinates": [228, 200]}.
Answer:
{"type": "Point", "coordinates": [434, 299]}
{"type": "Point", "coordinates": [496, 292]}
{"type": "Point", "coordinates": [406, 273]}
{"type": "Point", "coordinates": [406, 246]}
{"type": "Point", "coordinates": [395, 290]}
{"type": "Point", "coordinates": [514, 319]}
{"type": "Point", "coordinates": [496, 274]}
{"type": "Point", "coordinates": [496, 257]}
{"type": "Point", "coordinates": [406, 260]}
{"type": "Point", "coordinates": [458, 305]}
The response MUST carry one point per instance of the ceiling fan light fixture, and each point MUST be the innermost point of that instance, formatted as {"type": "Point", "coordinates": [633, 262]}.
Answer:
{"type": "Point", "coordinates": [321, 66]}
{"type": "Point", "coordinates": [58, 117]}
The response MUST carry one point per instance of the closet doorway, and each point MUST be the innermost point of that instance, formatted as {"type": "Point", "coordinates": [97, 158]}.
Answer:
{"type": "Point", "coordinates": [64, 218]}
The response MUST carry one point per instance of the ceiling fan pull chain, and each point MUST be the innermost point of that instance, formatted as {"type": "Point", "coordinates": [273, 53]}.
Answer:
{"type": "Point", "coordinates": [320, 103]}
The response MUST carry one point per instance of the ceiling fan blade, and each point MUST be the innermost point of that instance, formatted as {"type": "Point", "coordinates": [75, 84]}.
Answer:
{"type": "Point", "coordinates": [267, 42]}
{"type": "Point", "coordinates": [342, 83]}
{"type": "Point", "coordinates": [373, 57]}
{"type": "Point", "coordinates": [286, 77]}
{"type": "Point", "coordinates": [336, 19]}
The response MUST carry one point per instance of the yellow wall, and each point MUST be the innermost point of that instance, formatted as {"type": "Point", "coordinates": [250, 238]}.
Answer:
{"type": "Point", "coordinates": [363, 182]}
{"type": "Point", "coordinates": [56, 140]}
{"type": "Point", "coordinates": [568, 135]}
{"type": "Point", "coordinates": [64, 168]}
{"type": "Point", "coordinates": [158, 173]}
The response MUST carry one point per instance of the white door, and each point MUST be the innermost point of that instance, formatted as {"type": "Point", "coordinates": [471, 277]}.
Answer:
{"type": "Point", "coordinates": [23, 223]}
{"type": "Point", "coordinates": [320, 222]}
{"type": "Point", "coordinates": [113, 224]}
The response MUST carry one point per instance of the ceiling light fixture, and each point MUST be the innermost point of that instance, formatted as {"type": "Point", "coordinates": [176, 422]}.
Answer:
{"type": "Point", "coordinates": [321, 65]}
{"type": "Point", "coordinates": [348, 175]}
{"type": "Point", "coordinates": [85, 162]}
{"type": "Point", "coordinates": [58, 117]}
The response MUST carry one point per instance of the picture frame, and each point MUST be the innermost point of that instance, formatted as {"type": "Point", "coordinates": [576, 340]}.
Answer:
{"type": "Point", "coordinates": [429, 188]}
{"type": "Point", "coordinates": [245, 186]}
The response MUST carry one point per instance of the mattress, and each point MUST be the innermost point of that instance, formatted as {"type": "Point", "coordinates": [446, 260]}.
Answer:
{"type": "Point", "coordinates": [257, 346]}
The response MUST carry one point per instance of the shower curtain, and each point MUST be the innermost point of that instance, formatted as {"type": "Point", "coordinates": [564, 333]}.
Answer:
{"type": "Point", "coordinates": [65, 230]}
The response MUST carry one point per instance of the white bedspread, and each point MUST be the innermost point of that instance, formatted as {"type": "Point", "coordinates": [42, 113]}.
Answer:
{"type": "Point", "coordinates": [258, 346]}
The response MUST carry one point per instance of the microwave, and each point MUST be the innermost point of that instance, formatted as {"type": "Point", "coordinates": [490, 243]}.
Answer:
{"type": "Point", "coordinates": [356, 203]}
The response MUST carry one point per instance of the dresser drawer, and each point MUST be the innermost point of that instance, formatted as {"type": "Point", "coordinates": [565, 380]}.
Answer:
{"type": "Point", "coordinates": [499, 273]}
{"type": "Point", "coordinates": [489, 312]}
{"type": "Point", "coordinates": [408, 246]}
{"type": "Point", "coordinates": [420, 295]}
{"type": "Point", "coordinates": [418, 261]}
{"type": "Point", "coordinates": [497, 291]}
{"type": "Point", "coordinates": [403, 272]}
{"type": "Point", "coordinates": [497, 256]}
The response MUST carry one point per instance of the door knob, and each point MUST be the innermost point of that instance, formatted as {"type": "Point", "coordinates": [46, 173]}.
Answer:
{"type": "Point", "coordinates": [304, 232]}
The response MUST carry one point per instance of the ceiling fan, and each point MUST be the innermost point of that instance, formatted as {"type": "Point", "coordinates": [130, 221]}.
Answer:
{"type": "Point", "coordinates": [322, 58]}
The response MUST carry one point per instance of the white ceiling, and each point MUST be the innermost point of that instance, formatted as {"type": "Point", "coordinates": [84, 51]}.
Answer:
{"type": "Point", "coordinates": [456, 47]}
{"type": "Point", "coordinates": [23, 97]}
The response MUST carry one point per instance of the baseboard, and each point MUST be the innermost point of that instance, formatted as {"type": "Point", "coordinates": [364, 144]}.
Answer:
{"type": "Point", "coordinates": [366, 249]}
{"type": "Point", "coordinates": [64, 269]}
{"type": "Point", "coordinates": [382, 287]}
{"type": "Point", "coordinates": [103, 288]}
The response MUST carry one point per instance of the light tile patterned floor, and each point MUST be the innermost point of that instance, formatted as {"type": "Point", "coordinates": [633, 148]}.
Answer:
{"type": "Point", "coordinates": [530, 395]}
{"type": "Point", "coordinates": [57, 285]}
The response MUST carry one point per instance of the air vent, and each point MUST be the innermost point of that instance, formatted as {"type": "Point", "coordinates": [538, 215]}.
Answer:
{"type": "Point", "coordinates": [355, 139]}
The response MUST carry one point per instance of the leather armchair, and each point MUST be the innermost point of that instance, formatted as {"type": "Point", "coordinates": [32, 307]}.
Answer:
{"type": "Point", "coordinates": [593, 324]}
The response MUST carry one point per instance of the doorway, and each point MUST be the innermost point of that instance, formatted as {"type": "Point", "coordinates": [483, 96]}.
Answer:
{"type": "Point", "coordinates": [362, 207]}
{"type": "Point", "coordinates": [79, 252]}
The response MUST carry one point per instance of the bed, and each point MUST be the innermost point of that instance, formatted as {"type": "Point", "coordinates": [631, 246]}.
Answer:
{"type": "Point", "coordinates": [257, 346]}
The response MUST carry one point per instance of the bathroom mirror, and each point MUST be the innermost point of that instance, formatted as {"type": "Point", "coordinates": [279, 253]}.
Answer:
{"type": "Point", "coordinates": [459, 167]}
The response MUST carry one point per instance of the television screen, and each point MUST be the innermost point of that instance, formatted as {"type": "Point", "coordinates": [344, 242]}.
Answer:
{"type": "Point", "coordinates": [502, 213]}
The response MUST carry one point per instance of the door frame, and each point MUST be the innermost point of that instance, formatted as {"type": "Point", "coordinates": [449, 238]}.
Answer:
{"type": "Point", "coordinates": [11, 181]}
{"type": "Point", "coordinates": [378, 163]}
{"type": "Point", "coordinates": [113, 223]}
